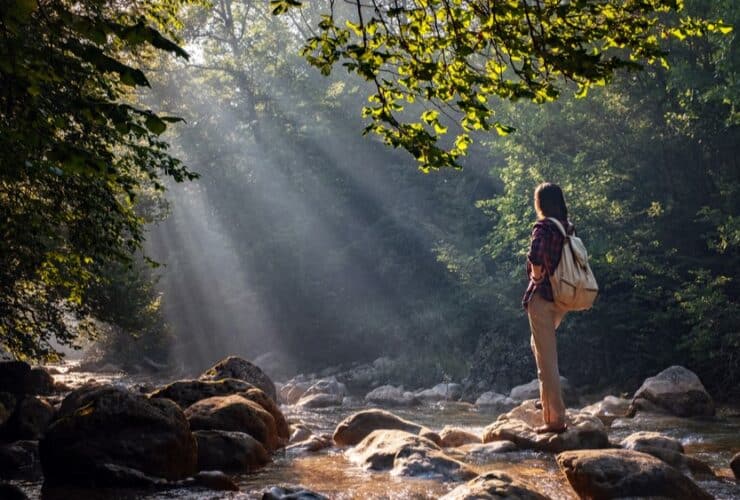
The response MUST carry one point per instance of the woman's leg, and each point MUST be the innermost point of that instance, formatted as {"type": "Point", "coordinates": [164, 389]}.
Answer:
{"type": "Point", "coordinates": [542, 317]}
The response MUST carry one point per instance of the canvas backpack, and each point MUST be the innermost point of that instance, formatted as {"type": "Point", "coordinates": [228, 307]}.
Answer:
{"type": "Point", "coordinates": [574, 287]}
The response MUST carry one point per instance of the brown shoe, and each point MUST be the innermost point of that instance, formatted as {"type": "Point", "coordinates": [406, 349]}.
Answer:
{"type": "Point", "coordinates": [544, 429]}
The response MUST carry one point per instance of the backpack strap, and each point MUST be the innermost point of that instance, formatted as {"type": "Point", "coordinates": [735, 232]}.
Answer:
{"type": "Point", "coordinates": [560, 226]}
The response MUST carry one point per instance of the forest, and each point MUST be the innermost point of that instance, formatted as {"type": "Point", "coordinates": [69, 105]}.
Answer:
{"type": "Point", "coordinates": [304, 237]}
{"type": "Point", "coordinates": [325, 184]}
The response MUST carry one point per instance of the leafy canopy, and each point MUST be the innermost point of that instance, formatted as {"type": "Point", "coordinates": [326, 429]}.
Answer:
{"type": "Point", "coordinates": [457, 55]}
{"type": "Point", "coordinates": [75, 152]}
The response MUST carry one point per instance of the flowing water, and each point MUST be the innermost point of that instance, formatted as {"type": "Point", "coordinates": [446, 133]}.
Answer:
{"type": "Point", "coordinates": [329, 472]}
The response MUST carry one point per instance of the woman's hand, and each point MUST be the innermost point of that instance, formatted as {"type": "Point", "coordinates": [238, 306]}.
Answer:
{"type": "Point", "coordinates": [535, 273]}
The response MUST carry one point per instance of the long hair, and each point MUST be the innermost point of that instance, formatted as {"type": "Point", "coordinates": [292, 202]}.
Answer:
{"type": "Point", "coordinates": [550, 202]}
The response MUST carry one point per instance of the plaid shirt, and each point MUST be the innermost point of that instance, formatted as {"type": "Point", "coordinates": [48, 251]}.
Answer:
{"type": "Point", "coordinates": [545, 251]}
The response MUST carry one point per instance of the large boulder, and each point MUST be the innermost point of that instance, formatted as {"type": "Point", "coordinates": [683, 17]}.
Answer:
{"type": "Point", "coordinates": [229, 451]}
{"type": "Point", "coordinates": [234, 413]}
{"type": "Point", "coordinates": [440, 392]}
{"type": "Point", "coordinates": [39, 381]}
{"type": "Point", "coordinates": [187, 392]}
{"type": "Point", "coordinates": [328, 385]}
{"type": "Point", "coordinates": [13, 376]}
{"type": "Point", "coordinates": [388, 395]}
{"type": "Point", "coordinates": [30, 419]}
{"type": "Point", "coordinates": [608, 409]}
{"type": "Point", "coordinates": [667, 449]}
{"type": "Point", "coordinates": [109, 425]}
{"type": "Point", "coordinates": [407, 455]}
{"type": "Point", "coordinates": [452, 437]}
{"type": "Point", "coordinates": [7, 406]}
{"type": "Point", "coordinates": [239, 368]}
{"type": "Point", "coordinates": [584, 430]}
{"type": "Point", "coordinates": [675, 390]}
{"type": "Point", "coordinates": [625, 473]}
{"type": "Point", "coordinates": [357, 426]}
{"type": "Point", "coordinates": [294, 389]}
{"type": "Point", "coordinates": [647, 439]}
{"type": "Point", "coordinates": [494, 485]}
{"type": "Point", "coordinates": [493, 401]}
{"type": "Point", "coordinates": [531, 390]}
{"type": "Point", "coordinates": [281, 424]}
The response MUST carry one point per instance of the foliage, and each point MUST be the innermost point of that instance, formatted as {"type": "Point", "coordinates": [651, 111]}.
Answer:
{"type": "Point", "coordinates": [650, 171]}
{"type": "Point", "coordinates": [461, 57]}
{"type": "Point", "coordinates": [74, 154]}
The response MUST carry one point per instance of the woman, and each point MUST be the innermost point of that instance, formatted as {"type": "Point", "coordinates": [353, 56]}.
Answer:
{"type": "Point", "coordinates": [544, 315]}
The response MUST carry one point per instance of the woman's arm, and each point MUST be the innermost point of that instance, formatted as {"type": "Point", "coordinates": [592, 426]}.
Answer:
{"type": "Point", "coordinates": [536, 254]}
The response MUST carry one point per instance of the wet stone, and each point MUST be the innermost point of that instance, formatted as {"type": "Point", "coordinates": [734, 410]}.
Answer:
{"type": "Point", "coordinates": [291, 493]}
{"type": "Point", "coordinates": [495, 485]}
{"type": "Point", "coordinates": [584, 430]}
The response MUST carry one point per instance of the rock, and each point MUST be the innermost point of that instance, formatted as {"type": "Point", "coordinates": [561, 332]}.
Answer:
{"type": "Point", "coordinates": [119, 476]}
{"type": "Point", "coordinates": [235, 367]}
{"type": "Point", "coordinates": [300, 433]}
{"type": "Point", "coordinates": [234, 413]}
{"type": "Point", "coordinates": [293, 390]}
{"type": "Point", "coordinates": [584, 430]}
{"type": "Point", "coordinates": [29, 421]}
{"type": "Point", "coordinates": [675, 390]}
{"type": "Point", "coordinates": [320, 401]}
{"type": "Point", "coordinates": [357, 426]}
{"type": "Point", "coordinates": [666, 449]}
{"type": "Point", "coordinates": [389, 395]}
{"type": "Point", "coordinates": [11, 492]}
{"type": "Point", "coordinates": [484, 452]}
{"type": "Point", "coordinates": [609, 409]}
{"type": "Point", "coordinates": [378, 449]}
{"type": "Point", "coordinates": [214, 480]}
{"type": "Point", "coordinates": [642, 439]}
{"type": "Point", "coordinates": [291, 493]}
{"type": "Point", "coordinates": [327, 386]}
{"type": "Point", "coordinates": [531, 390]}
{"type": "Point", "coordinates": [494, 485]}
{"type": "Point", "coordinates": [187, 392]}
{"type": "Point", "coordinates": [7, 406]}
{"type": "Point", "coordinates": [735, 465]}
{"type": "Point", "coordinates": [625, 473]}
{"type": "Point", "coordinates": [496, 401]}
{"type": "Point", "coordinates": [311, 444]}
{"type": "Point", "coordinates": [18, 459]}
{"type": "Point", "coordinates": [454, 437]}
{"type": "Point", "coordinates": [39, 381]}
{"type": "Point", "coordinates": [109, 425]}
{"type": "Point", "coordinates": [229, 451]}
{"type": "Point", "coordinates": [13, 376]}
{"type": "Point", "coordinates": [281, 424]}
{"type": "Point", "coordinates": [407, 455]}
{"type": "Point", "coordinates": [440, 392]}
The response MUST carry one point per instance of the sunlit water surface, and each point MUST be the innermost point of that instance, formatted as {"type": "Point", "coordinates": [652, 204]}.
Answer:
{"type": "Point", "coordinates": [330, 473]}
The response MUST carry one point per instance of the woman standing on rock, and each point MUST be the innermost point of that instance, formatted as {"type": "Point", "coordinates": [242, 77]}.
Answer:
{"type": "Point", "coordinates": [544, 315]}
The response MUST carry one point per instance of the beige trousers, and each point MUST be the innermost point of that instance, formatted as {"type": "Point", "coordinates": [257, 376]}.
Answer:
{"type": "Point", "coordinates": [544, 318]}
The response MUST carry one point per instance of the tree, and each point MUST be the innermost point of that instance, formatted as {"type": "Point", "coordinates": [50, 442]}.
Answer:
{"type": "Point", "coordinates": [456, 56]}
{"type": "Point", "coordinates": [75, 153]}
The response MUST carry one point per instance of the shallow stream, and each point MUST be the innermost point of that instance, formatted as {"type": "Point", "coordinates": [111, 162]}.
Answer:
{"type": "Point", "coordinates": [328, 472]}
